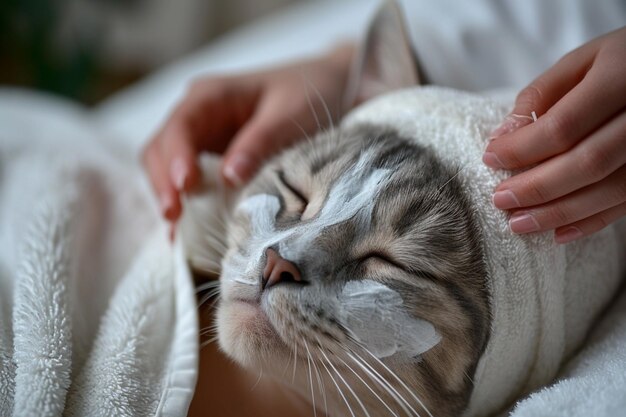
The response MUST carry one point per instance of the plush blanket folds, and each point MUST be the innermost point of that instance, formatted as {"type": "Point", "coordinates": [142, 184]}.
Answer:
{"type": "Point", "coordinates": [97, 310]}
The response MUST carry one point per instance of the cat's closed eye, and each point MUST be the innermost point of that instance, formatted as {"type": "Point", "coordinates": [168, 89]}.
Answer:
{"type": "Point", "coordinates": [295, 200]}
{"type": "Point", "coordinates": [382, 258]}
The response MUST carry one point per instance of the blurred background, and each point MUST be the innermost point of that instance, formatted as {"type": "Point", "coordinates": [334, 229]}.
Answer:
{"type": "Point", "coordinates": [88, 49]}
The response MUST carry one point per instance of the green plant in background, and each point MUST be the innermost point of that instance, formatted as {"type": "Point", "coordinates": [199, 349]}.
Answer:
{"type": "Point", "coordinates": [33, 54]}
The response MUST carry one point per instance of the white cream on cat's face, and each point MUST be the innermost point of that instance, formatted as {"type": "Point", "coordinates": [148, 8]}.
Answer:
{"type": "Point", "coordinates": [358, 216]}
{"type": "Point", "coordinates": [372, 313]}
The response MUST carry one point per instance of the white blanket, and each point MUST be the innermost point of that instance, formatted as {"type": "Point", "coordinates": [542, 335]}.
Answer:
{"type": "Point", "coordinates": [103, 300]}
{"type": "Point", "coordinates": [97, 312]}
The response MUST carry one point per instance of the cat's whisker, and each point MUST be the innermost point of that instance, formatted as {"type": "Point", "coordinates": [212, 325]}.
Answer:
{"type": "Point", "coordinates": [375, 376]}
{"type": "Point", "coordinates": [208, 297]}
{"type": "Point", "coordinates": [368, 386]}
{"type": "Point", "coordinates": [356, 397]}
{"type": "Point", "coordinates": [320, 384]}
{"type": "Point", "coordinates": [452, 177]}
{"type": "Point", "coordinates": [308, 361]}
{"type": "Point", "coordinates": [312, 108]}
{"type": "Point", "coordinates": [295, 362]}
{"type": "Point", "coordinates": [213, 294]}
{"type": "Point", "coordinates": [323, 102]}
{"type": "Point", "coordinates": [207, 285]}
{"type": "Point", "coordinates": [287, 364]}
{"type": "Point", "coordinates": [304, 134]}
{"type": "Point", "coordinates": [339, 390]}
{"type": "Point", "coordinates": [243, 281]}
{"type": "Point", "coordinates": [257, 381]}
{"type": "Point", "coordinates": [206, 271]}
{"type": "Point", "coordinates": [400, 381]}
{"type": "Point", "coordinates": [208, 342]}
{"type": "Point", "coordinates": [209, 329]}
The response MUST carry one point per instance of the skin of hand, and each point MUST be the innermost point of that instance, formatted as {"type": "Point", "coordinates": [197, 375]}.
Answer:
{"type": "Point", "coordinates": [575, 153]}
{"type": "Point", "coordinates": [247, 118]}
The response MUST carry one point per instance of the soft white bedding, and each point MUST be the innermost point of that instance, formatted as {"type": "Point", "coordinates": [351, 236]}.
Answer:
{"type": "Point", "coordinates": [97, 317]}
{"type": "Point", "coordinates": [98, 310]}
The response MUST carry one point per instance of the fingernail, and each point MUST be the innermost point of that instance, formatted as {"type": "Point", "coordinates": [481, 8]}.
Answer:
{"type": "Point", "coordinates": [523, 223]}
{"type": "Point", "coordinates": [567, 235]}
{"type": "Point", "coordinates": [178, 173]}
{"type": "Point", "coordinates": [491, 159]}
{"type": "Point", "coordinates": [511, 123]}
{"type": "Point", "coordinates": [166, 203]}
{"type": "Point", "coordinates": [237, 169]}
{"type": "Point", "coordinates": [505, 199]}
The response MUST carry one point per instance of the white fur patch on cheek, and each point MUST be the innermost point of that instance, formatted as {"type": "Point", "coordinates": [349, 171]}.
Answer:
{"type": "Point", "coordinates": [375, 314]}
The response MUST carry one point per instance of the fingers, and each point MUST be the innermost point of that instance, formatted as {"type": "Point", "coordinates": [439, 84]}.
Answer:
{"type": "Point", "coordinates": [573, 98]}
{"type": "Point", "coordinates": [204, 120]}
{"type": "Point", "coordinates": [167, 195]}
{"type": "Point", "coordinates": [590, 161]}
{"type": "Point", "coordinates": [170, 160]}
{"type": "Point", "coordinates": [577, 206]}
{"type": "Point", "coordinates": [575, 116]}
{"type": "Point", "coordinates": [270, 129]}
{"type": "Point", "coordinates": [212, 111]}
{"type": "Point", "coordinates": [178, 154]}
{"type": "Point", "coordinates": [579, 184]}
{"type": "Point", "coordinates": [589, 225]}
{"type": "Point", "coordinates": [546, 90]}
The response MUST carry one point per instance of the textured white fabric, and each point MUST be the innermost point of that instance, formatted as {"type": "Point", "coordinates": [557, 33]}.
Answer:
{"type": "Point", "coordinates": [98, 314]}
{"type": "Point", "coordinates": [544, 296]}
{"type": "Point", "coordinates": [458, 49]}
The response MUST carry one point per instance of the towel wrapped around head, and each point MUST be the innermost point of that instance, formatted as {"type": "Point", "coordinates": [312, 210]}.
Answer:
{"type": "Point", "coordinates": [544, 296]}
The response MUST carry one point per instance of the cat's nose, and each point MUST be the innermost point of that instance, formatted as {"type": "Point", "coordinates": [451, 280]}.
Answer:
{"type": "Point", "coordinates": [279, 270]}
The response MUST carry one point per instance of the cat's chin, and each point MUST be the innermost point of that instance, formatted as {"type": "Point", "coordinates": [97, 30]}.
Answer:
{"type": "Point", "coordinates": [246, 334]}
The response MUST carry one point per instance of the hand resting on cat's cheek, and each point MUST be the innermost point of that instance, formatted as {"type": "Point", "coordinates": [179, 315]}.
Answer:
{"type": "Point", "coordinates": [578, 142]}
{"type": "Point", "coordinates": [248, 118]}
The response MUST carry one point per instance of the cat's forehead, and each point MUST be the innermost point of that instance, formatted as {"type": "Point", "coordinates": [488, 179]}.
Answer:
{"type": "Point", "coordinates": [340, 151]}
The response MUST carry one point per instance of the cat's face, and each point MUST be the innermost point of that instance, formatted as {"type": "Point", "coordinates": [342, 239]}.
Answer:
{"type": "Point", "coordinates": [382, 304]}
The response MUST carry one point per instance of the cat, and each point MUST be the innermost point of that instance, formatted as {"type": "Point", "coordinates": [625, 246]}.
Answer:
{"type": "Point", "coordinates": [358, 258]}
{"type": "Point", "coordinates": [354, 214]}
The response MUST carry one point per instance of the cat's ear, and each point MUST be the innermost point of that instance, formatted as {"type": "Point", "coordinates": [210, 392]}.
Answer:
{"type": "Point", "coordinates": [385, 60]}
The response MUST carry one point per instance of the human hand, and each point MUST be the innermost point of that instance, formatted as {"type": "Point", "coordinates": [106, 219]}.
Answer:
{"type": "Point", "coordinates": [248, 118]}
{"type": "Point", "coordinates": [578, 143]}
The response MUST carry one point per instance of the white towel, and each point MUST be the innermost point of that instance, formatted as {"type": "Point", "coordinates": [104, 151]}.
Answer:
{"type": "Point", "coordinates": [544, 296]}
{"type": "Point", "coordinates": [97, 312]}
